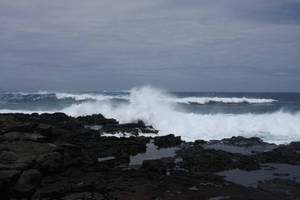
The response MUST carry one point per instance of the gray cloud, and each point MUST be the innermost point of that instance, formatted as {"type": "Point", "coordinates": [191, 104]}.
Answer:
{"type": "Point", "coordinates": [179, 45]}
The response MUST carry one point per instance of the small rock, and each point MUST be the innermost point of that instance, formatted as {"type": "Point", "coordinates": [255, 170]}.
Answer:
{"type": "Point", "coordinates": [167, 141]}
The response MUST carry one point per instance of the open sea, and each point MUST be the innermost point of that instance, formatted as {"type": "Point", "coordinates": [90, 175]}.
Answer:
{"type": "Point", "coordinates": [274, 117]}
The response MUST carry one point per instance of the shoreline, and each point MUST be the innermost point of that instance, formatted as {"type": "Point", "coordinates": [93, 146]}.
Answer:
{"type": "Point", "coordinates": [55, 156]}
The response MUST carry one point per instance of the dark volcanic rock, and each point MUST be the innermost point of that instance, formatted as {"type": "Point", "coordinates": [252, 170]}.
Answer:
{"type": "Point", "coordinates": [154, 165]}
{"type": "Point", "coordinates": [167, 141]}
{"type": "Point", "coordinates": [294, 146]}
{"type": "Point", "coordinates": [27, 183]}
{"type": "Point", "coordinates": [7, 180]}
{"type": "Point", "coordinates": [84, 195]}
{"type": "Point", "coordinates": [134, 128]}
{"type": "Point", "coordinates": [197, 159]}
{"type": "Point", "coordinates": [23, 154]}
{"type": "Point", "coordinates": [97, 120]}
{"type": "Point", "coordinates": [242, 141]}
{"type": "Point", "coordinates": [15, 136]}
{"type": "Point", "coordinates": [52, 156]}
{"type": "Point", "coordinates": [283, 186]}
{"type": "Point", "coordinates": [280, 155]}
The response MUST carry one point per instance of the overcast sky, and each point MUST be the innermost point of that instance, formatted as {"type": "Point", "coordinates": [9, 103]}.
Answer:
{"type": "Point", "coordinates": [198, 45]}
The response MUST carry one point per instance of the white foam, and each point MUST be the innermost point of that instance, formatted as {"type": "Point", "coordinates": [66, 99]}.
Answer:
{"type": "Point", "coordinates": [231, 100]}
{"type": "Point", "coordinates": [81, 97]}
{"type": "Point", "coordinates": [23, 111]}
{"type": "Point", "coordinates": [147, 104]}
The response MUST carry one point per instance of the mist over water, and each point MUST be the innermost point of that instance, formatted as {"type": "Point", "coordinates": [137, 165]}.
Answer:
{"type": "Point", "coordinates": [273, 117]}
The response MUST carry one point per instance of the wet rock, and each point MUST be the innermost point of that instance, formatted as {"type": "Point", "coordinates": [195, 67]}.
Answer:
{"type": "Point", "coordinates": [50, 162]}
{"type": "Point", "coordinates": [200, 142]}
{"type": "Point", "coordinates": [134, 128]}
{"type": "Point", "coordinates": [167, 141]}
{"type": "Point", "coordinates": [97, 119]}
{"type": "Point", "coordinates": [197, 159]}
{"type": "Point", "coordinates": [8, 157]}
{"type": "Point", "coordinates": [8, 177]}
{"type": "Point", "coordinates": [23, 154]}
{"type": "Point", "coordinates": [11, 126]}
{"type": "Point", "coordinates": [84, 195]}
{"type": "Point", "coordinates": [55, 117]}
{"type": "Point", "coordinates": [280, 155]}
{"type": "Point", "coordinates": [295, 146]}
{"type": "Point", "coordinates": [7, 180]}
{"type": "Point", "coordinates": [287, 187]}
{"type": "Point", "coordinates": [154, 165]}
{"type": "Point", "coordinates": [63, 164]}
{"type": "Point", "coordinates": [14, 136]}
{"type": "Point", "coordinates": [27, 183]}
{"type": "Point", "coordinates": [242, 141]}
{"type": "Point", "coordinates": [44, 129]}
{"type": "Point", "coordinates": [69, 182]}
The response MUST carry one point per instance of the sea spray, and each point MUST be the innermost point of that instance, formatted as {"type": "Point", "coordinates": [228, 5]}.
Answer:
{"type": "Point", "coordinates": [277, 119]}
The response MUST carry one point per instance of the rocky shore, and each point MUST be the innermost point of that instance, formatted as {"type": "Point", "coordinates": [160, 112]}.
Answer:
{"type": "Point", "coordinates": [55, 156]}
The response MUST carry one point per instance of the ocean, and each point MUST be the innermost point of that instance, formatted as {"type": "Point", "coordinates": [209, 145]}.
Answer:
{"type": "Point", "coordinates": [274, 117]}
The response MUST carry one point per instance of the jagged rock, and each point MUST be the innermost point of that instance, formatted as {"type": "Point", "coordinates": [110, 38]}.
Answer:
{"type": "Point", "coordinates": [7, 180]}
{"type": "Point", "coordinates": [97, 119]}
{"type": "Point", "coordinates": [84, 195]}
{"type": "Point", "coordinates": [14, 136]}
{"type": "Point", "coordinates": [63, 165]}
{"type": "Point", "coordinates": [23, 127]}
{"type": "Point", "coordinates": [154, 165]}
{"type": "Point", "coordinates": [22, 154]}
{"type": "Point", "coordinates": [287, 187]}
{"type": "Point", "coordinates": [50, 162]}
{"type": "Point", "coordinates": [294, 146]}
{"type": "Point", "coordinates": [197, 159]}
{"type": "Point", "coordinates": [8, 177]}
{"type": "Point", "coordinates": [167, 141]}
{"type": "Point", "coordinates": [242, 141]}
{"type": "Point", "coordinates": [55, 117]}
{"type": "Point", "coordinates": [69, 182]}
{"type": "Point", "coordinates": [134, 128]}
{"type": "Point", "coordinates": [280, 155]}
{"type": "Point", "coordinates": [27, 182]}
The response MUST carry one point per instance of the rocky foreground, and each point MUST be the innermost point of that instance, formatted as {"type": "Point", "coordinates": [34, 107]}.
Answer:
{"type": "Point", "coordinates": [54, 156]}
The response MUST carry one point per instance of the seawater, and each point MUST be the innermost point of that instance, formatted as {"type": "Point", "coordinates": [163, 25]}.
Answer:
{"type": "Point", "coordinates": [275, 117]}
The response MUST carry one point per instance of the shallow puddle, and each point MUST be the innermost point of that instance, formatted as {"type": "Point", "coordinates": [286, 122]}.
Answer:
{"type": "Point", "coordinates": [246, 150]}
{"type": "Point", "coordinates": [106, 158]}
{"type": "Point", "coordinates": [152, 153]}
{"type": "Point", "coordinates": [269, 171]}
{"type": "Point", "coordinates": [93, 127]}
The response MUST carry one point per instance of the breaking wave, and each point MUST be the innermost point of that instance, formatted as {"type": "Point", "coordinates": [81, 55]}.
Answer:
{"type": "Point", "coordinates": [19, 96]}
{"type": "Point", "coordinates": [145, 103]}
{"type": "Point", "coordinates": [227, 100]}
{"type": "Point", "coordinates": [162, 110]}
{"type": "Point", "coordinates": [82, 97]}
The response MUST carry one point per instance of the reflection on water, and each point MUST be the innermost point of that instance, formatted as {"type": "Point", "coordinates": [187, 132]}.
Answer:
{"type": "Point", "coordinates": [152, 153]}
{"type": "Point", "coordinates": [269, 171]}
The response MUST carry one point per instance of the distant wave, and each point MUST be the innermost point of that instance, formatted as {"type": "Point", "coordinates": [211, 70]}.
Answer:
{"type": "Point", "coordinates": [146, 104]}
{"type": "Point", "coordinates": [81, 97]}
{"type": "Point", "coordinates": [227, 100]}
{"type": "Point", "coordinates": [36, 96]}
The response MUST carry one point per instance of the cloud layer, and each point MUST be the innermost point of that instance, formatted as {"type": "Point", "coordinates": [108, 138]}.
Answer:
{"type": "Point", "coordinates": [178, 45]}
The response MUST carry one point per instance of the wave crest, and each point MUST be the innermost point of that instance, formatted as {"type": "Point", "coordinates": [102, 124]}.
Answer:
{"type": "Point", "coordinates": [146, 104]}
{"type": "Point", "coordinates": [157, 108]}
{"type": "Point", "coordinates": [227, 100]}
{"type": "Point", "coordinates": [82, 97]}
